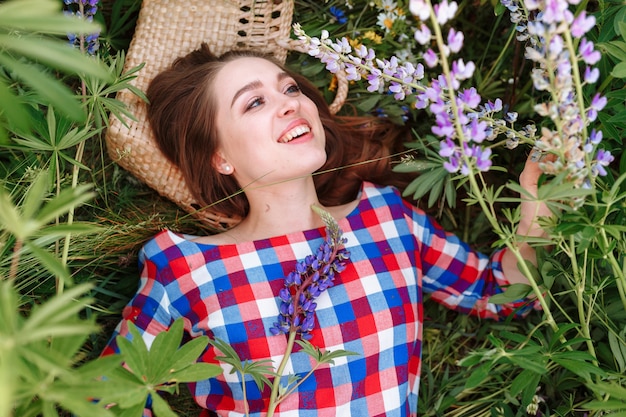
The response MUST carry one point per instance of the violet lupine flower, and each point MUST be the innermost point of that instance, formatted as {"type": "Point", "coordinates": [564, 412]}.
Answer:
{"type": "Point", "coordinates": [310, 278]}
{"type": "Point", "coordinates": [89, 9]}
{"type": "Point", "coordinates": [554, 73]}
{"type": "Point", "coordinates": [405, 80]}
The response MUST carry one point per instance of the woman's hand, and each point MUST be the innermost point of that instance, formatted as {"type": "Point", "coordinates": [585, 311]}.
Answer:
{"type": "Point", "coordinates": [531, 210]}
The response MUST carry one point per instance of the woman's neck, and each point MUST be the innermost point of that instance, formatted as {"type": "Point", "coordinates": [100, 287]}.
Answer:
{"type": "Point", "coordinates": [278, 210]}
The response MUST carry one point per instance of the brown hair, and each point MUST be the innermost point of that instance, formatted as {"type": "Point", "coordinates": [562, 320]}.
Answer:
{"type": "Point", "coordinates": [179, 95]}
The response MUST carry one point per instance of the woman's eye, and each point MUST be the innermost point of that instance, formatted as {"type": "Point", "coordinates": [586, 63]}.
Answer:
{"type": "Point", "coordinates": [293, 88]}
{"type": "Point", "coordinates": [255, 103]}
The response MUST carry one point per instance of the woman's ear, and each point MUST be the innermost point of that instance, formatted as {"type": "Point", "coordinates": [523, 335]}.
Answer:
{"type": "Point", "coordinates": [221, 165]}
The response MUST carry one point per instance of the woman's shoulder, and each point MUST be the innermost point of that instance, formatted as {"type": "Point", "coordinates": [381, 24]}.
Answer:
{"type": "Point", "coordinates": [381, 195]}
{"type": "Point", "coordinates": [165, 246]}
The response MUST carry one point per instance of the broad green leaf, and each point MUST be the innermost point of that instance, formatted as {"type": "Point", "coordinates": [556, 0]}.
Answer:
{"type": "Point", "coordinates": [56, 54]}
{"type": "Point", "coordinates": [58, 308]}
{"type": "Point", "coordinates": [189, 352]}
{"type": "Point", "coordinates": [513, 292]}
{"type": "Point", "coordinates": [536, 365]}
{"type": "Point", "coordinates": [60, 230]}
{"type": "Point", "coordinates": [195, 372]}
{"type": "Point", "coordinates": [14, 111]}
{"type": "Point", "coordinates": [62, 203]}
{"type": "Point", "coordinates": [162, 351]}
{"type": "Point", "coordinates": [133, 408]}
{"type": "Point", "coordinates": [34, 195]}
{"type": "Point", "coordinates": [578, 367]}
{"type": "Point", "coordinates": [555, 341]}
{"type": "Point", "coordinates": [619, 70]}
{"type": "Point", "coordinates": [478, 375]}
{"type": "Point", "coordinates": [98, 367]}
{"type": "Point", "coordinates": [618, 348]}
{"type": "Point", "coordinates": [50, 89]}
{"type": "Point", "coordinates": [521, 381]}
{"type": "Point", "coordinates": [82, 406]}
{"type": "Point", "coordinates": [133, 357]}
{"type": "Point", "coordinates": [41, 16]}
{"type": "Point", "coordinates": [9, 216]}
{"type": "Point", "coordinates": [51, 262]}
{"type": "Point", "coordinates": [161, 408]}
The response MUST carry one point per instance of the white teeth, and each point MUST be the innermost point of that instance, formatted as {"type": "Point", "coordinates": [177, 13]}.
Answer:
{"type": "Point", "coordinates": [298, 131]}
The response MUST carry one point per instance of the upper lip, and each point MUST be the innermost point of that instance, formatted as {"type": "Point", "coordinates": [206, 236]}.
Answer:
{"type": "Point", "coordinates": [286, 134]}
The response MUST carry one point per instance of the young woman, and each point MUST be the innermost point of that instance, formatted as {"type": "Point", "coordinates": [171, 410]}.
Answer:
{"type": "Point", "coordinates": [244, 121]}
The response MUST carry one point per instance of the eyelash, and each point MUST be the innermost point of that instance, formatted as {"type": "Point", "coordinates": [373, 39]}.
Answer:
{"type": "Point", "coordinates": [291, 88]}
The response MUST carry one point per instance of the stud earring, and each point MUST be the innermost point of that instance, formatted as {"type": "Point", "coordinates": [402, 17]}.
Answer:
{"type": "Point", "coordinates": [227, 168]}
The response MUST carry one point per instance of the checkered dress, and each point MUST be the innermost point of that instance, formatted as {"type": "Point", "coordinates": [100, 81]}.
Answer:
{"type": "Point", "coordinates": [374, 309]}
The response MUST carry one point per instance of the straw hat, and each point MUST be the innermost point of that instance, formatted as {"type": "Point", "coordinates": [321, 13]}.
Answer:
{"type": "Point", "coordinates": [167, 29]}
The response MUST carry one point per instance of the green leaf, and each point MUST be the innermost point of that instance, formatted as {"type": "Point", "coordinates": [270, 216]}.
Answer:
{"type": "Point", "coordinates": [195, 372]}
{"type": "Point", "coordinates": [14, 110]}
{"type": "Point", "coordinates": [478, 375]}
{"type": "Point", "coordinates": [10, 217]}
{"type": "Point", "coordinates": [619, 70]}
{"type": "Point", "coordinates": [62, 203]}
{"type": "Point", "coordinates": [578, 367]}
{"type": "Point", "coordinates": [189, 352]}
{"type": "Point", "coordinates": [52, 90]}
{"type": "Point", "coordinates": [161, 408]}
{"type": "Point", "coordinates": [536, 365]}
{"type": "Point", "coordinates": [41, 16]}
{"type": "Point", "coordinates": [513, 292]}
{"type": "Point", "coordinates": [56, 54]}
{"type": "Point", "coordinates": [51, 262]}
{"type": "Point", "coordinates": [521, 381]}
{"type": "Point", "coordinates": [135, 352]}
{"type": "Point", "coordinates": [55, 311]}
{"type": "Point", "coordinates": [162, 351]}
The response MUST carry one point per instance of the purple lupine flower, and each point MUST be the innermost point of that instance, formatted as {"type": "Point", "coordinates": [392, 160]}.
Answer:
{"type": "Point", "coordinates": [89, 9]}
{"type": "Point", "coordinates": [309, 279]}
{"type": "Point", "coordinates": [587, 52]}
{"type": "Point", "coordinates": [445, 11]}
{"type": "Point", "coordinates": [591, 75]}
{"type": "Point", "coordinates": [420, 9]}
{"type": "Point", "coordinates": [423, 34]}
{"type": "Point", "coordinates": [582, 24]}
{"type": "Point", "coordinates": [455, 40]}
{"type": "Point", "coordinates": [597, 104]}
{"type": "Point", "coordinates": [430, 57]}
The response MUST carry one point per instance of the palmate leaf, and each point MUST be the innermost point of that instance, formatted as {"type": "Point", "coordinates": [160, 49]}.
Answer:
{"type": "Point", "coordinates": [153, 370]}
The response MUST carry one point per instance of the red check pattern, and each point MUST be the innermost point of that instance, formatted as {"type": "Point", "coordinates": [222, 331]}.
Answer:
{"type": "Point", "coordinates": [374, 308]}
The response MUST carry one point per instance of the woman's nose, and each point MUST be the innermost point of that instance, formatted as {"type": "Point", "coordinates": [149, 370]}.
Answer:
{"type": "Point", "coordinates": [289, 105]}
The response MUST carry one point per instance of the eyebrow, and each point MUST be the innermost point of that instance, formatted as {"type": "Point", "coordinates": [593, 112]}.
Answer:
{"type": "Point", "coordinates": [255, 84]}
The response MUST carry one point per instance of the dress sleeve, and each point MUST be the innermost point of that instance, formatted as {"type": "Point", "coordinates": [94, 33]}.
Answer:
{"type": "Point", "coordinates": [459, 277]}
{"type": "Point", "coordinates": [148, 310]}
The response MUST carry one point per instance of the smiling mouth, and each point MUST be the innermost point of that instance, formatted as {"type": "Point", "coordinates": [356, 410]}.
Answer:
{"type": "Point", "coordinates": [295, 133]}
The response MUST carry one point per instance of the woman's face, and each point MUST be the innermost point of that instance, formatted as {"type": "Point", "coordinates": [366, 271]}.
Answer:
{"type": "Point", "coordinates": [268, 131]}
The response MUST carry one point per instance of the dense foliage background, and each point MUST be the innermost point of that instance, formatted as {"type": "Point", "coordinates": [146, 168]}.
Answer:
{"type": "Point", "coordinates": [71, 221]}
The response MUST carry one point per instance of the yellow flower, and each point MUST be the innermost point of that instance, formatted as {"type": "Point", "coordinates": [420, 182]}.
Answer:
{"type": "Point", "coordinates": [373, 36]}
{"type": "Point", "coordinates": [354, 43]}
{"type": "Point", "coordinates": [333, 84]}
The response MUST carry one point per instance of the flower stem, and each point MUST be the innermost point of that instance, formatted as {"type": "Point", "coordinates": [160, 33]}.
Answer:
{"type": "Point", "coordinates": [274, 398]}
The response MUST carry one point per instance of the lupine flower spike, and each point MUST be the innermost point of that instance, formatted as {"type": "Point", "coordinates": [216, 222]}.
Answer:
{"type": "Point", "coordinates": [309, 280]}
{"type": "Point", "coordinates": [85, 9]}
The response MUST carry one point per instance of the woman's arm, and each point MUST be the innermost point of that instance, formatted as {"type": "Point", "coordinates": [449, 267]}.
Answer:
{"type": "Point", "coordinates": [531, 211]}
